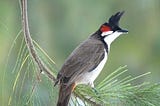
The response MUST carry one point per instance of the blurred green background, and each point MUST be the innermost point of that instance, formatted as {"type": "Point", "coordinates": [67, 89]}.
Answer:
{"type": "Point", "coordinates": [60, 25]}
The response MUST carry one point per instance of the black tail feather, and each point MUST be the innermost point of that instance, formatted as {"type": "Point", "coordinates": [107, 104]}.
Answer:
{"type": "Point", "coordinates": [65, 92]}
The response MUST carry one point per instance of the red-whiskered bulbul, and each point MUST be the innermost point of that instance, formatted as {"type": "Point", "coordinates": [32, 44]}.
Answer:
{"type": "Point", "coordinates": [86, 62]}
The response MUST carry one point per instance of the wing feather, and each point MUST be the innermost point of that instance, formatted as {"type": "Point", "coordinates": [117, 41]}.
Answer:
{"type": "Point", "coordinates": [83, 59]}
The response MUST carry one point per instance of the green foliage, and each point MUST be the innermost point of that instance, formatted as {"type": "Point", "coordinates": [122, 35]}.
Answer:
{"type": "Point", "coordinates": [27, 84]}
{"type": "Point", "coordinates": [113, 91]}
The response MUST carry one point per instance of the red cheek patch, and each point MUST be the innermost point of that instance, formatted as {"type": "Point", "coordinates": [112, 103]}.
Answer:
{"type": "Point", "coordinates": [105, 28]}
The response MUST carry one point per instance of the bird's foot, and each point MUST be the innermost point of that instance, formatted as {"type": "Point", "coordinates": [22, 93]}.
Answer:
{"type": "Point", "coordinates": [93, 88]}
{"type": "Point", "coordinates": [96, 91]}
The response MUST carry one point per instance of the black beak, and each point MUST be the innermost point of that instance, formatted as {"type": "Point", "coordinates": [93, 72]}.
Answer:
{"type": "Point", "coordinates": [123, 31]}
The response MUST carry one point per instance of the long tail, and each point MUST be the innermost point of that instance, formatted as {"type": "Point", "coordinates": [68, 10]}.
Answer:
{"type": "Point", "coordinates": [65, 94]}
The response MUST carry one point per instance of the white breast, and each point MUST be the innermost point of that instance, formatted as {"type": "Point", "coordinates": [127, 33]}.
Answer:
{"type": "Point", "coordinates": [89, 77]}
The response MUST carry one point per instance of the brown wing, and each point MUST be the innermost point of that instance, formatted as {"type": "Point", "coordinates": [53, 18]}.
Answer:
{"type": "Point", "coordinates": [84, 58]}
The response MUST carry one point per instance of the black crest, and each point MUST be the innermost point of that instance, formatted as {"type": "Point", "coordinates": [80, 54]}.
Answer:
{"type": "Point", "coordinates": [114, 19]}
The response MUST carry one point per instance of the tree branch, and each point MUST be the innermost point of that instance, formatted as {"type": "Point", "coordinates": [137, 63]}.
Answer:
{"type": "Point", "coordinates": [29, 42]}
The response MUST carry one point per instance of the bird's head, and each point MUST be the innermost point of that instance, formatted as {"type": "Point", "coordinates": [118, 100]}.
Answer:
{"type": "Point", "coordinates": [110, 30]}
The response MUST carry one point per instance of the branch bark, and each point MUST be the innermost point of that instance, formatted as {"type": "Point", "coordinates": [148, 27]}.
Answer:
{"type": "Point", "coordinates": [29, 42]}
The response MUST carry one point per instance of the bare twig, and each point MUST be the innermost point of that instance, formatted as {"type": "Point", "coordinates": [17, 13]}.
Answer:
{"type": "Point", "coordinates": [29, 42]}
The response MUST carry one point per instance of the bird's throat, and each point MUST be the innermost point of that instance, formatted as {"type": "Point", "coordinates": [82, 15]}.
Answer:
{"type": "Point", "coordinates": [109, 39]}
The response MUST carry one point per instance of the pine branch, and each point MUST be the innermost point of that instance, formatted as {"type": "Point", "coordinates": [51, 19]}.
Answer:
{"type": "Point", "coordinates": [29, 42]}
{"type": "Point", "coordinates": [84, 98]}
{"type": "Point", "coordinates": [114, 91]}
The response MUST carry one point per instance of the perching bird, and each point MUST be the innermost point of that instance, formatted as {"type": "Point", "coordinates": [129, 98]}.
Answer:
{"type": "Point", "coordinates": [86, 62]}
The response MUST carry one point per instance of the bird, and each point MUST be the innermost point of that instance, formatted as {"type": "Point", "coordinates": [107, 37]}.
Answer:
{"type": "Point", "coordinates": [87, 60]}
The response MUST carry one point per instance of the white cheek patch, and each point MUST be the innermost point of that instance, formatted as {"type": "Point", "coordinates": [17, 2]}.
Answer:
{"type": "Point", "coordinates": [106, 33]}
{"type": "Point", "coordinates": [109, 39]}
